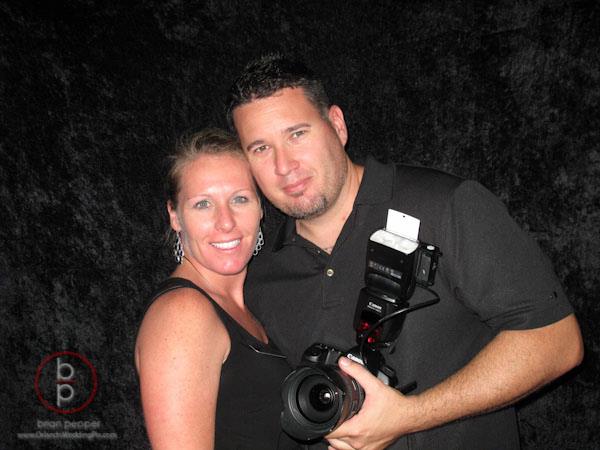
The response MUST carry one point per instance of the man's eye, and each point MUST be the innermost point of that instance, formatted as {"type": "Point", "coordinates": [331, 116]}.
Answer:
{"type": "Point", "coordinates": [259, 149]}
{"type": "Point", "coordinates": [202, 204]}
{"type": "Point", "coordinates": [298, 133]}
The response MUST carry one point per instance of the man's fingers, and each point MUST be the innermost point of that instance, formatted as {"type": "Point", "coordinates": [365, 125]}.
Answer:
{"type": "Point", "coordinates": [365, 378]}
{"type": "Point", "coordinates": [338, 444]}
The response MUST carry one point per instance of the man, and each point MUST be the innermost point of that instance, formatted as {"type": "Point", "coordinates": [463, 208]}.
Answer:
{"type": "Point", "coordinates": [502, 328]}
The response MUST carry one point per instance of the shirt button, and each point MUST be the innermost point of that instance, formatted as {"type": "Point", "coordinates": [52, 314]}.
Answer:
{"type": "Point", "coordinates": [329, 272]}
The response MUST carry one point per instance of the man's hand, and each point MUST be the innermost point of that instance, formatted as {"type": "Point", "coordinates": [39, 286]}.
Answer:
{"type": "Point", "coordinates": [380, 421]}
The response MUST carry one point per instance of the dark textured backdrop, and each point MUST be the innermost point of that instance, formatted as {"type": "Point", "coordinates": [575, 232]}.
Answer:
{"type": "Point", "coordinates": [95, 92]}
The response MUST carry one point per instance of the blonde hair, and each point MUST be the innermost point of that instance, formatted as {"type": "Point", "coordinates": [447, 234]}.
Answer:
{"type": "Point", "coordinates": [210, 141]}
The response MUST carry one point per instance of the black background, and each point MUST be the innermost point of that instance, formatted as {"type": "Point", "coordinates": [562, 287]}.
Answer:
{"type": "Point", "coordinates": [94, 94]}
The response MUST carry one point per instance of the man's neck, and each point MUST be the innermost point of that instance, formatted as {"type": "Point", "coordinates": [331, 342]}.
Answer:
{"type": "Point", "coordinates": [324, 230]}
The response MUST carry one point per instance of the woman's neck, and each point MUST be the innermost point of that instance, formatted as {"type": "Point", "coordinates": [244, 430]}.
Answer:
{"type": "Point", "coordinates": [227, 288]}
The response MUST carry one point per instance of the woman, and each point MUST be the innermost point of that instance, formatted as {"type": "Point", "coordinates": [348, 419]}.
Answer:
{"type": "Point", "coordinates": [209, 376]}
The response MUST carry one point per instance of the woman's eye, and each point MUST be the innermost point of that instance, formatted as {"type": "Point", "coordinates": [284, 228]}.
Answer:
{"type": "Point", "coordinates": [240, 199]}
{"type": "Point", "coordinates": [202, 204]}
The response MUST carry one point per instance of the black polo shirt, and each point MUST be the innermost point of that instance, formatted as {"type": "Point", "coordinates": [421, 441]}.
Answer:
{"type": "Point", "coordinates": [491, 277]}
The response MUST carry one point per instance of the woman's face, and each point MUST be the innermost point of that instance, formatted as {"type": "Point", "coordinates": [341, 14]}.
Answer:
{"type": "Point", "coordinates": [218, 213]}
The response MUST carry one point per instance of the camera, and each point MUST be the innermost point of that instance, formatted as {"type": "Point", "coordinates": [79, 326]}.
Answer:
{"type": "Point", "coordinates": [318, 396]}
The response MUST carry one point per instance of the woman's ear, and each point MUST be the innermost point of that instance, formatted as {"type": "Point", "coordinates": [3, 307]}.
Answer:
{"type": "Point", "coordinates": [173, 217]}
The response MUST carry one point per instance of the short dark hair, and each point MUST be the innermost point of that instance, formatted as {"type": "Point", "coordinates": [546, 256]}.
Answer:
{"type": "Point", "coordinates": [210, 141]}
{"type": "Point", "coordinates": [270, 73]}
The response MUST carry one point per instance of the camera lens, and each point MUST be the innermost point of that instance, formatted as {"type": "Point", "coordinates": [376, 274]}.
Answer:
{"type": "Point", "coordinates": [321, 397]}
{"type": "Point", "coordinates": [317, 398]}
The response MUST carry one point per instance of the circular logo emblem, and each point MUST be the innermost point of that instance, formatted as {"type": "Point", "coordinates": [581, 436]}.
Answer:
{"type": "Point", "coordinates": [66, 382]}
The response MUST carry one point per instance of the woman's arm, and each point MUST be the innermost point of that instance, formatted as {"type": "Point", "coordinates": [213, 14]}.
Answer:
{"type": "Point", "coordinates": [180, 348]}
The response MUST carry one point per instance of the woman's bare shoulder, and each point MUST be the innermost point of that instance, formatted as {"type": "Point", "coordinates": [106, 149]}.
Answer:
{"type": "Point", "coordinates": [184, 318]}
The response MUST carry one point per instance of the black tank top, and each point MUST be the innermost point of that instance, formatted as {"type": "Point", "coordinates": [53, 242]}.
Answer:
{"type": "Point", "coordinates": [249, 398]}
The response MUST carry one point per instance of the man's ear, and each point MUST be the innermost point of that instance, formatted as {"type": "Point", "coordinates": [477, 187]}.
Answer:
{"type": "Point", "coordinates": [173, 217]}
{"type": "Point", "coordinates": [336, 118]}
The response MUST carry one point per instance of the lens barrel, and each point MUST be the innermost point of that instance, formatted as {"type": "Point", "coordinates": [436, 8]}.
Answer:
{"type": "Point", "coordinates": [316, 399]}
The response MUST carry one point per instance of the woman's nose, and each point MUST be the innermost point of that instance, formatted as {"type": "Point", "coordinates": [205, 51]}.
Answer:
{"type": "Point", "coordinates": [225, 220]}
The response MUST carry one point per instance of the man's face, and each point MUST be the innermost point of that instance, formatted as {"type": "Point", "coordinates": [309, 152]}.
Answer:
{"type": "Point", "coordinates": [297, 157]}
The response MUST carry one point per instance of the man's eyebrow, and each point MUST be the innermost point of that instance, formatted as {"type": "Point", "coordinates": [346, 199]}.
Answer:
{"type": "Point", "coordinates": [297, 127]}
{"type": "Point", "coordinates": [254, 144]}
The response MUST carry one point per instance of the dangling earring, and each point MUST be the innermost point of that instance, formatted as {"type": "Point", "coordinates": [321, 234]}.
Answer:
{"type": "Point", "coordinates": [178, 249]}
{"type": "Point", "coordinates": [259, 242]}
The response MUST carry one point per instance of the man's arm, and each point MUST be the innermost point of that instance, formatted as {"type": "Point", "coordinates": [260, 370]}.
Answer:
{"type": "Point", "coordinates": [512, 365]}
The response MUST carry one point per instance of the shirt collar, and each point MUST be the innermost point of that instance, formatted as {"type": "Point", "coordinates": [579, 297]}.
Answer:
{"type": "Point", "coordinates": [375, 187]}
{"type": "Point", "coordinates": [377, 183]}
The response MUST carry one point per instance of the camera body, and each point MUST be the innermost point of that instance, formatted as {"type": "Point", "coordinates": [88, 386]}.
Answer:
{"type": "Point", "coordinates": [318, 396]}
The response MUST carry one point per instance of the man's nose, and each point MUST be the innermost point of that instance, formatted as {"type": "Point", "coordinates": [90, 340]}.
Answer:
{"type": "Point", "coordinates": [284, 161]}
